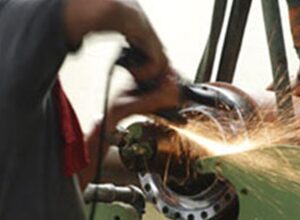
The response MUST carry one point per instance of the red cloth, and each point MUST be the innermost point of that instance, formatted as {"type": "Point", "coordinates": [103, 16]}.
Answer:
{"type": "Point", "coordinates": [76, 155]}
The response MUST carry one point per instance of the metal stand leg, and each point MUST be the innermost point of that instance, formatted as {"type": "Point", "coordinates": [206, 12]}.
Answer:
{"type": "Point", "coordinates": [205, 68]}
{"type": "Point", "coordinates": [278, 58]}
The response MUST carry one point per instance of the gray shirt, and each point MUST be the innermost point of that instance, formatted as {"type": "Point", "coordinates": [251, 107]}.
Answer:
{"type": "Point", "coordinates": [32, 48]}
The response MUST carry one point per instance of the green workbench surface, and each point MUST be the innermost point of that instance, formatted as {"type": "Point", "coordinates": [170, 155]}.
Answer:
{"type": "Point", "coordinates": [267, 181]}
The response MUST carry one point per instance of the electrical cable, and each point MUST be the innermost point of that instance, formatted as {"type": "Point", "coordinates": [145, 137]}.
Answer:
{"type": "Point", "coordinates": [127, 57]}
{"type": "Point", "coordinates": [102, 137]}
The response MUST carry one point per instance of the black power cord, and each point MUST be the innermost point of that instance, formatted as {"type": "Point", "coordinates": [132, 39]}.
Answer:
{"type": "Point", "coordinates": [128, 57]}
{"type": "Point", "coordinates": [102, 138]}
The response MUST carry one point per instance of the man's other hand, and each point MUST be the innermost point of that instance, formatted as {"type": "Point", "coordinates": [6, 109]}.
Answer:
{"type": "Point", "coordinates": [165, 96]}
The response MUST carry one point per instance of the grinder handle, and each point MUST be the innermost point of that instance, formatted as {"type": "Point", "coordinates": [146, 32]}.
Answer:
{"type": "Point", "coordinates": [133, 58]}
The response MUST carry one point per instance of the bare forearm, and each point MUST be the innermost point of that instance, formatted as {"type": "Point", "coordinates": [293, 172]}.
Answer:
{"type": "Point", "coordinates": [84, 16]}
{"type": "Point", "coordinates": [123, 16]}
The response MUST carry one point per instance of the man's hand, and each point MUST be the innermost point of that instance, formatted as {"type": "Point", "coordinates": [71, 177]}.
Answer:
{"type": "Point", "coordinates": [125, 17]}
{"type": "Point", "coordinates": [166, 96]}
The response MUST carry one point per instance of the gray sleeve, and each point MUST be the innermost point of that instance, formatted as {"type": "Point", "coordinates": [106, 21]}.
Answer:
{"type": "Point", "coordinates": [32, 47]}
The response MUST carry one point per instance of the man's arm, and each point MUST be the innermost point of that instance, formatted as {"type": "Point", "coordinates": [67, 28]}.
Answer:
{"type": "Point", "coordinates": [35, 36]}
{"type": "Point", "coordinates": [166, 96]}
{"type": "Point", "coordinates": [125, 17]}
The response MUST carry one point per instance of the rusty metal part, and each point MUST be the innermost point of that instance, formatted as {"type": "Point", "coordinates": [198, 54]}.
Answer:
{"type": "Point", "coordinates": [168, 168]}
{"type": "Point", "coordinates": [151, 146]}
{"type": "Point", "coordinates": [171, 180]}
{"type": "Point", "coordinates": [113, 166]}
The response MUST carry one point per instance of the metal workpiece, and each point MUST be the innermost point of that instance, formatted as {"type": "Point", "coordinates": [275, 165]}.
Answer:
{"type": "Point", "coordinates": [108, 193]}
{"type": "Point", "coordinates": [196, 184]}
{"type": "Point", "coordinates": [223, 97]}
{"type": "Point", "coordinates": [148, 148]}
{"type": "Point", "coordinates": [170, 172]}
{"type": "Point", "coordinates": [209, 203]}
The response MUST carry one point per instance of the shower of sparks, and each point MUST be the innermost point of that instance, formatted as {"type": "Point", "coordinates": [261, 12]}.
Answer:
{"type": "Point", "coordinates": [259, 154]}
{"type": "Point", "coordinates": [269, 154]}
{"type": "Point", "coordinates": [214, 147]}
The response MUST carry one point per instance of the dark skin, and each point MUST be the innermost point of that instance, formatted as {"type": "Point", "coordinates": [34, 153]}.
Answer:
{"type": "Point", "coordinates": [127, 18]}
{"type": "Point", "coordinates": [166, 96]}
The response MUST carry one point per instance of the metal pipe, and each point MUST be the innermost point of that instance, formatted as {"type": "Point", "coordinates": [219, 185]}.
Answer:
{"type": "Point", "coordinates": [205, 67]}
{"type": "Point", "coordinates": [108, 193]}
{"type": "Point", "coordinates": [277, 53]}
{"type": "Point", "coordinates": [233, 40]}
